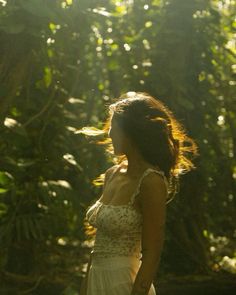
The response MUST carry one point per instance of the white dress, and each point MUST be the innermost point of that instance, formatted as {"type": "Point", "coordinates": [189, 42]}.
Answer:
{"type": "Point", "coordinates": [116, 255]}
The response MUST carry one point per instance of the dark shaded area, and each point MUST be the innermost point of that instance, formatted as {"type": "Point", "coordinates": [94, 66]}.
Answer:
{"type": "Point", "coordinates": [216, 285]}
{"type": "Point", "coordinates": [61, 63]}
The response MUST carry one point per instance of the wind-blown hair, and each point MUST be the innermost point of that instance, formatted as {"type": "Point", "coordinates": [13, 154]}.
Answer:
{"type": "Point", "coordinates": [159, 137]}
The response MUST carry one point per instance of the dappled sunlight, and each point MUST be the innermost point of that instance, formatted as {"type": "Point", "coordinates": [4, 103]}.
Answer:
{"type": "Point", "coordinates": [62, 63]}
{"type": "Point", "coordinates": [228, 264]}
{"type": "Point", "coordinates": [222, 253]}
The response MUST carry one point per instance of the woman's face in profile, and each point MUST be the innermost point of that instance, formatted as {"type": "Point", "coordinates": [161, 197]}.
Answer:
{"type": "Point", "coordinates": [119, 139]}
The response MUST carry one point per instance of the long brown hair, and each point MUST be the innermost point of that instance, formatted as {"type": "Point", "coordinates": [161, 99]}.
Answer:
{"type": "Point", "coordinates": [160, 138]}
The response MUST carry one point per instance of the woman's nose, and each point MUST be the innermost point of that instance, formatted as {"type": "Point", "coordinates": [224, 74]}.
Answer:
{"type": "Point", "coordinates": [109, 132]}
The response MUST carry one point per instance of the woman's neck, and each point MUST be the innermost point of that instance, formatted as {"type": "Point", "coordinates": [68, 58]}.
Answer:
{"type": "Point", "coordinates": [134, 165]}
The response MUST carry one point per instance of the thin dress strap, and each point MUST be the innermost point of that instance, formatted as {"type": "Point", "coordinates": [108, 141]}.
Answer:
{"type": "Point", "coordinates": [146, 172]}
{"type": "Point", "coordinates": [116, 168]}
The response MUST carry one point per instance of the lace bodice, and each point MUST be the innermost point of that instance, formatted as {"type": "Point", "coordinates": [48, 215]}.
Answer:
{"type": "Point", "coordinates": [118, 226]}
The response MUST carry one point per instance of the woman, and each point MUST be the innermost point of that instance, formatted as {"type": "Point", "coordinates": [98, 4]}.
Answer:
{"type": "Point", "coordinates": [130, 215]}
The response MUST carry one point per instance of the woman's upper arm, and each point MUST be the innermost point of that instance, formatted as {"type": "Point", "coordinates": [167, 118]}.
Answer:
{"type": "Point", "coordinates": [153, 205]}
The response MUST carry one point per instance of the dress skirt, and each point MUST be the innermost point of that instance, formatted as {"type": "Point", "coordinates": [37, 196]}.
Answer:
{"type": "Point", "coordinates": [113, 275]}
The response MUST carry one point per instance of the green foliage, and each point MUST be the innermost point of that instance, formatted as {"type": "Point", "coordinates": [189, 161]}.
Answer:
{"type": "Point", "coordinates": [61, 63]}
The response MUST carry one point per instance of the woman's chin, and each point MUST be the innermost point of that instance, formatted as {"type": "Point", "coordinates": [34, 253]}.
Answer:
{"type": "Point", "coordinates": [118, 153]}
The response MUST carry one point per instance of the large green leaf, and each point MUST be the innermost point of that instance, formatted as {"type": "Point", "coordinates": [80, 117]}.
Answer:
{"type": "Point", "coordinates": [6, 179]}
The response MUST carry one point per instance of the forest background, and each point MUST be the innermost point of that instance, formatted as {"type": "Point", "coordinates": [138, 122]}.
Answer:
{"type": "Point", "coordinates": [61, 64]}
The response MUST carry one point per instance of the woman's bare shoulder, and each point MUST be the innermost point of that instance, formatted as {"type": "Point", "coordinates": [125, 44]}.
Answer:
{"type": "Point", "coordinates": [110, 170]}
{"type": "Point", "coordinates": [108, 174]}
